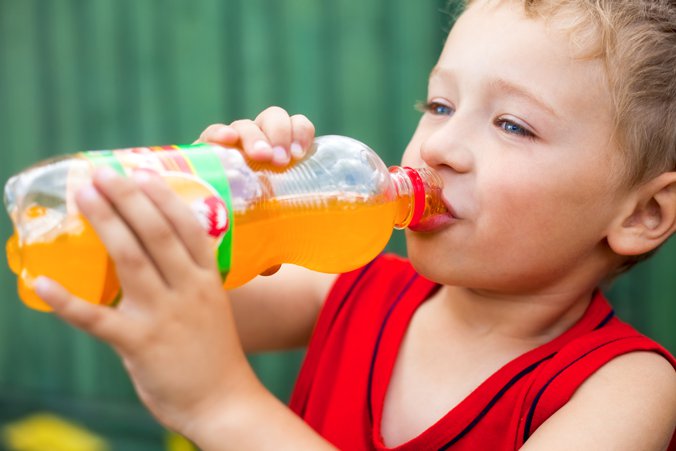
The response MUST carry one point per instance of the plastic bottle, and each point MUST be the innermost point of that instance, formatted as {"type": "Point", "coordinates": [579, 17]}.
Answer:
{"type": "Point", "coordinates": [332, 211]}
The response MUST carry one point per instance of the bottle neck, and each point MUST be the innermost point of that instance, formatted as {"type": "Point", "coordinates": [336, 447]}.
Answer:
{"type": "Point", "coordinates": [419, 196]}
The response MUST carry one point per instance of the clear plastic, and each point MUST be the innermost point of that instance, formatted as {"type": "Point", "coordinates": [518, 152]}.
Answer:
{"type": "Point", "coordinates": [333, 211]}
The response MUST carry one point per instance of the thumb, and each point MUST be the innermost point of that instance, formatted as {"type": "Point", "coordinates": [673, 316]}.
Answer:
{"type": "Point", "coordinates": [102, 322]}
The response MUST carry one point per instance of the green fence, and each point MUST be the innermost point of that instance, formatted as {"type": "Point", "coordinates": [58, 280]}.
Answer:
{"type": "Point", "coordinates": [93, 74]}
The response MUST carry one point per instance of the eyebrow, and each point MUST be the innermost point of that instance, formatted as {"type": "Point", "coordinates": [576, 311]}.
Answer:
{"type": "Point", "coordinates": [504, 85]}
{"type": "Point", "coordinates": [521, 91]}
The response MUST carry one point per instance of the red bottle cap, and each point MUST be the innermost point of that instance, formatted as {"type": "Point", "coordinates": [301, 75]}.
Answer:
{"type": "Point", "coordinates": [418, 195]}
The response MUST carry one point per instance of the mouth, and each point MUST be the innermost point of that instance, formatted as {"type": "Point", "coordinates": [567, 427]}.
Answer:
{"type": "Point", "coordinates": [440, 219]}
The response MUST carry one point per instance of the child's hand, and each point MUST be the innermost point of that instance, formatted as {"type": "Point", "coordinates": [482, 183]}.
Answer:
{"type": "Point", "coordinates": [173, 328]}
{"type": "Point", "coordinates": [273, 136]}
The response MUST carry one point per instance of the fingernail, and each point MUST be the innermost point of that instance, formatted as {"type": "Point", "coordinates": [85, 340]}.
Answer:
{"type": "Point", "coordinates": [141, 176]}
{"type": "Point", "coordinates": [297, 150]}
{"type": "Point", "coordinates": [41, 285]}
{"type": "Point", "coordinates": [262, 149]}
{"type": "Point", "coordinates": [88, 193]}
{"type": "Point", "coordinates": [280, 156]}
{"type": "Point", "coordinates": [105, 174]}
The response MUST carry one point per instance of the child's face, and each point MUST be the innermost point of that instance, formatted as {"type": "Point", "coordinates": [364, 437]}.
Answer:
{"type": "Point", "coordinates": [519, 130]}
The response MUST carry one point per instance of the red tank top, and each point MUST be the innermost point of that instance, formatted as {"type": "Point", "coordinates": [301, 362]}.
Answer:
{"type": "Point", "coordinates": [341, 388]}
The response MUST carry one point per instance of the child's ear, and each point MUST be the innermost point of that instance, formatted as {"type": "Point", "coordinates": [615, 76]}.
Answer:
{"type": "Point", "coordinates": [649, 218]}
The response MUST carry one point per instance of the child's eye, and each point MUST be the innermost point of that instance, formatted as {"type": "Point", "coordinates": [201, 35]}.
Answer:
{"type": "Point", "coordinates": [513, 128]}
{"type": "Point", "coordinates": [435, 108]}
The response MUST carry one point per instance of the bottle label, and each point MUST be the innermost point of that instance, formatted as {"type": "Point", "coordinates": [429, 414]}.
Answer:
{"type": "Point", "coordinates": [196, 173]}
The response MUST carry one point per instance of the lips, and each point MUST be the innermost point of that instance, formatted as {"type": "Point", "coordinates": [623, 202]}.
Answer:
{"type": "Point", "coordinates": [437, 221]}
{"type": "Point", "coordinates": [434, 223]}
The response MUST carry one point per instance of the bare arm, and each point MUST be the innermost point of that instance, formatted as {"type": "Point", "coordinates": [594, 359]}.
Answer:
{"type": "Point", "coordinates": [629, 404]}
{"type": "Point", "coordinates": [279, 311]}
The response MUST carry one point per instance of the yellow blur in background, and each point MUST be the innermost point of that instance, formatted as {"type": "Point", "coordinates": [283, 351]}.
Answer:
{"type": "Point", "coordinates": [46, 431]}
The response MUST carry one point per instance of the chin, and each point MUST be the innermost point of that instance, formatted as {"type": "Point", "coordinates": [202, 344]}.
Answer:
{"type": "Point", "coordinates": [438, 261]}
{"type": "Point", "coordinates": [428, 258]}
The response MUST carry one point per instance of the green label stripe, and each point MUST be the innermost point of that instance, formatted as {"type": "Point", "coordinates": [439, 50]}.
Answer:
{"type": "Point", "coordinates": [100, 158]}
{"type": "Point", "coordinates": [198, 159]}
{"type": "Point", "coordinates": [208, 167]}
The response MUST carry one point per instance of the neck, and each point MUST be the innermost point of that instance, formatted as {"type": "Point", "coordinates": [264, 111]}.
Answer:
{"type": "Point", "coordinates": [535, 314]}
{"type": "Point", "coordinates": [527, 318]}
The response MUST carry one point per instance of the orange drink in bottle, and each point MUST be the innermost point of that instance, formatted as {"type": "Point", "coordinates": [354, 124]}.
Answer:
{"type": "Point", "coordinates": [333, 211]}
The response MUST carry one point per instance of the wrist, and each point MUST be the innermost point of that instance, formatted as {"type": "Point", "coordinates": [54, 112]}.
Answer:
{"type": "Point", "coordinates": [252, 419]}
{"type": "Point", "coordinates": [218, 414]}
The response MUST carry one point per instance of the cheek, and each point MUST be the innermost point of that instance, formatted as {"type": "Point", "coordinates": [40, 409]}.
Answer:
{"type": "Point", "coordinates": [546, 211]}
{"type": "Point", "coordinates": [516, 217]}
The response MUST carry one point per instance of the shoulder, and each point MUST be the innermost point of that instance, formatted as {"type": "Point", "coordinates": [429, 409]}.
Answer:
{"type": "Point", "coordinates": [628, 403]}
{"type": "Point", "coordinates": [636, 369]}
{"type": "Point", "coordinates": [646, 378]}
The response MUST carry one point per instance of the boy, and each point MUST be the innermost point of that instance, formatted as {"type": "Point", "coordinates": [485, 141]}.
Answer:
{"type": "Point", "coordinates": [559, 163]}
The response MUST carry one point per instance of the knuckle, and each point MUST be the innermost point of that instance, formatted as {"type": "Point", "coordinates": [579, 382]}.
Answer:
{"type": "Point", "coordinates": [209, 134]}
{"type": "Point", "coordinates": [213, 127]}
{"type": "Point", "coordinates": [303, 124]}
{"type": "Point", "coordinates": [279, 131]}
{"type": "Point", "coordinates": [129, 257]}
{"type": "Point", "coordinates": [83, 316]}
{"type": "Point", "coordinates": [241, 123]}
{"type": "Point", "coordinates": [301, 119]}
{"type": "Point", "coordinates": [248, 131]}
{"type": "Point", "coordinates": [146, 334]}
{"type": "Point", "coordinates": [275, 111]}
{"type": "Point", "coordinates": [134, 340]}
{"type": "Point", "coordinates": [161, 234]}
{"type": "Point", "coordinates": [102, 215]}
{"type": "Point", "coordinates": [208, 280]}
{"type": "Point", "coordinates": [205, 133]}
{"type": "Point", "coordinates": [162, 191]}
{"type": "Point", "coordinates": [124, 189]}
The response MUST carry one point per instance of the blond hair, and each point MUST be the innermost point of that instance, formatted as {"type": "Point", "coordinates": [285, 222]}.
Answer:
{"type": "Point", "coordinates": [636, 40]}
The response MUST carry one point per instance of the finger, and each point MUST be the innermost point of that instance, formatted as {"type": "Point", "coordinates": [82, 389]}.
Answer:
{"type": "Point", "coordinates": [101, 321]}
{"type": "Point", "coordinates": [219, 134]}
{"type": "Point", "coordinates": [276, 124]}
{"type": "Point", "coordinates": [142, 244]}
{"type": "Point", "coordinates": [180, 216]}
{"type": "Point", "coordinates": [303, 135]}
{"type": "Point", "coordinates": [134, 270]}
{"type": "Point", "coordinates": [253, 141]}
{"type": "Point", "coordinates": [156, 235]}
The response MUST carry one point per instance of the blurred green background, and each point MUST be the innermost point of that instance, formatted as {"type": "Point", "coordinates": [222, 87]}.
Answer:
{"type": "Point", "coordinates": [96, 74]}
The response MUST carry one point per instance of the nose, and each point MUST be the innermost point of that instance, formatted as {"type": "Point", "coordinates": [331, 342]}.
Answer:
{"type": "Point", "coordinates": [447, 146]}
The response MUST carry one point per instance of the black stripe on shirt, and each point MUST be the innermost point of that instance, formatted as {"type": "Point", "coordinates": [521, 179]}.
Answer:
{"type": "Point", "coordinates": [349, 292]}
{"type": "Point", "coordinates": [343, 301]}
{"type": "Point", "coordinates": [493, 401]}
{"type": "Point", "coordinates": [380, 336]}
{"type": "Point", "coordinates": [531, 411]}
{"type": "Point", "coordinates": [605, 320]}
